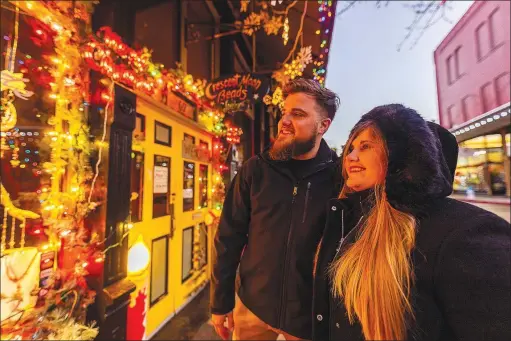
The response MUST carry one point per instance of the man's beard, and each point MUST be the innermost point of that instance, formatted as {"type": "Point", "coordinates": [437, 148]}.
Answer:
{"type": "Point", "coordinates": [286, 150]}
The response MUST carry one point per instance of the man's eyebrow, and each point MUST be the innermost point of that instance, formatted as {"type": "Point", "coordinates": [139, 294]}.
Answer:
{"type": "Point", "coordinates": [300, 110]}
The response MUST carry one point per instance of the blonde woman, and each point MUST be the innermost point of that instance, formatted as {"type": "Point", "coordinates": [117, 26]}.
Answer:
{"type": "Point", "coordinates": [399, 260]}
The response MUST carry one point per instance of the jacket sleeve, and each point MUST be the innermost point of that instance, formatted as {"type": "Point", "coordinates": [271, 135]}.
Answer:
{"type": "Point", "coordinates": [473, 281]}
{"type": "Point", "coordinates": [230, 239]}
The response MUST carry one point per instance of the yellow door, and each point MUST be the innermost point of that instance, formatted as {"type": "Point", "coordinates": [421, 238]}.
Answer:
{"type": "Point", "coordinates": [171, 207]}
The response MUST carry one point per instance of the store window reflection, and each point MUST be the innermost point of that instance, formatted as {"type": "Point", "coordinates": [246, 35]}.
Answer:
{"type": "Point", "coordinates": [482, 165]}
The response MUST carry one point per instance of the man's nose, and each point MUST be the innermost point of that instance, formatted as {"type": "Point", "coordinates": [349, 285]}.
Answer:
{"type": "Point", "coordinates": [286, 120]}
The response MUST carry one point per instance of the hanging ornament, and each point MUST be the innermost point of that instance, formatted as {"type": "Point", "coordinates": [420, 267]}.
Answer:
{"type": "Point", "coordinates": [244, 5]}
{"type": "Point", "coordinates": [285, 34]}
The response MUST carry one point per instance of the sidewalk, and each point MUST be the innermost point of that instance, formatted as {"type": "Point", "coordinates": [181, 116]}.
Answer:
{"type": "Point", "coordinates": [499, 206]}
{"type": "Point", "coordinates": [191, 323]}
{"type": "Point", "coordinates": [483, 199]}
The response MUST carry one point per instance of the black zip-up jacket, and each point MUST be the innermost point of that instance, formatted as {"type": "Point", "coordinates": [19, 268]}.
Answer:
{"type": "Point", "coordinates": [461, 258]}
{"type": "Point", "coordinates": [276, 221]}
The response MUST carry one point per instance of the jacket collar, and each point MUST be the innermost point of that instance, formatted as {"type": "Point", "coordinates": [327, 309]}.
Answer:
{"type": "Point", "coordinates": [323, 158]}
{"type": "Point", "coordinates": [361, 201]}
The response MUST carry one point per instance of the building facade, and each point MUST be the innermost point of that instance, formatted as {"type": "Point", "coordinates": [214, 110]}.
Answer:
{"type": "Point", "coordinates": [473, 83]}
{"type": "Point", "coordinates": [170, 185]}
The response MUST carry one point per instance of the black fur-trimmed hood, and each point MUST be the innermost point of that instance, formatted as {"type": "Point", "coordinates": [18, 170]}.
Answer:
{"type": "Point", "coordinates": [422, 156]}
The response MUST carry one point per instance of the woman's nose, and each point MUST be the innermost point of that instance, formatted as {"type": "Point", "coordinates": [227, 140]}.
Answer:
{"type": "Point", "coordinates": [353, 156]}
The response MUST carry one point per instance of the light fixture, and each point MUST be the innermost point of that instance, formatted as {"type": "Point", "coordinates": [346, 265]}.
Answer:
{"type": "Point", "coordinates": [489, 119]}
{"type": "Point", "coordinates": [496, 117]}
{"type": "Point", "coordinates": [503, 114]}
{"type": "Point", "coordinates": [138, 257]}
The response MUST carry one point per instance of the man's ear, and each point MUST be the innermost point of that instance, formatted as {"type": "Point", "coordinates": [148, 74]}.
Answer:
{"type": "Point", "coordinates": [324, 124]}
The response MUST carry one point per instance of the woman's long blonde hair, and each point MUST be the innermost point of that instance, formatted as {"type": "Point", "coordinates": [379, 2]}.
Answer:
{"type": "Point", "coordinates": [374, 276]}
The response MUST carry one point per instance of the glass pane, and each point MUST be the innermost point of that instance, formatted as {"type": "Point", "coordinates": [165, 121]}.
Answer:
{"type": "Point", "coordinates": [161, 186]}
{"type": "Point", "coordinates": [203, 186]}
{"type": "Point", "coordinates": [162, 134]}
{"type": "Point", "coordinates": [187, 253]}
{"type": "Point", "coordinates": [188, 186]}
{"type": "Point", "coordinates": [159, 269]}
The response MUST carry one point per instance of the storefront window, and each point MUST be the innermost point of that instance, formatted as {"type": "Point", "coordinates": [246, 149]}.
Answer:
{"type": "Point", "coordinates": [28, 110]}
{"type": "Point", "coordinates": [188, 186]}
{"type": "Point", "coordinates": [481, 166]}
{"type": "Point", "coordinates": [203, 186]}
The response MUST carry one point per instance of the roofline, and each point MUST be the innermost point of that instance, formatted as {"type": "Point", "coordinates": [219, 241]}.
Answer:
{"type": "Point", "coordinates": [474, 8]}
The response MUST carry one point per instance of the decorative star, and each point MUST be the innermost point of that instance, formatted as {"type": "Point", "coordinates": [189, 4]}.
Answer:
{"type": "Point", "coordinates": [256, 96]}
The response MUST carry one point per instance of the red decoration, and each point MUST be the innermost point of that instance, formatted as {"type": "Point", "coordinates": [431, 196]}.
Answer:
{"type": "Point", "coordinates": [137, 317]}
{"type": "Point", "coordinates": [42, 35]}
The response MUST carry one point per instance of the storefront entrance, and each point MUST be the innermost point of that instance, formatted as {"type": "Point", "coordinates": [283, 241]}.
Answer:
{"type": "Point", "coordinates": [170, 183]}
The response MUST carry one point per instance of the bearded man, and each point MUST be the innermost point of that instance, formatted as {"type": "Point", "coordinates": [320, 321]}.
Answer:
{"type": "Point", "coordinates": [274, 213]}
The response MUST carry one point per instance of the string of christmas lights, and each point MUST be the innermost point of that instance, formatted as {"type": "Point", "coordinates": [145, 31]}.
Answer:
{"type": "Point", "coordinates": [326, 18]}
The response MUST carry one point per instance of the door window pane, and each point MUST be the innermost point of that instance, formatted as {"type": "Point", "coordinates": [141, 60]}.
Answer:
{"type": "Point", "coordinates": [188, 186]}
{"type": "Point", "coordinates": [159, 269]}
{"type": "Point", "coordinates": [161, 186]}
{"type": "Point", "coordinates": [187, 253]}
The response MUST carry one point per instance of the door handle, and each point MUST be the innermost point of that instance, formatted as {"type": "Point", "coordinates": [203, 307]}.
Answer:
{"type": "Point", "coordinates": [172, 215]}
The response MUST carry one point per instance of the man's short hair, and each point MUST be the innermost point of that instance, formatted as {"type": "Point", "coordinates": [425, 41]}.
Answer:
{"type": "Point", "coordinates": [326, 99]}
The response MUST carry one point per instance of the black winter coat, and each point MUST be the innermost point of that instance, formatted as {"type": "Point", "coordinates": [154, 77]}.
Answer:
{"type": "Point", "coordinates": [277, 221]}
{"type": "Point", "coordinates": [461, 258]}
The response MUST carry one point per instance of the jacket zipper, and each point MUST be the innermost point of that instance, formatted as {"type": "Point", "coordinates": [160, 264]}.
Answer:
{"type": "Point", "coordinates": [343, 238]}
{"type": "Point", "coordinates": [295, 193]}
{"type": "Point", "coordinates": [283, 286]}
{"type": "Point", "coordinates": [306, 202]}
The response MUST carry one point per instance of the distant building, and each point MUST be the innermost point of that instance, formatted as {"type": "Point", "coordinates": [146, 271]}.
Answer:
{"type": "Point", "coordinates": [473, 84]}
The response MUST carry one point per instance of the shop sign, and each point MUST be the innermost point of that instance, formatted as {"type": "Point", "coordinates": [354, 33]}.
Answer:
{"type": "Point", "coordinates": [238, 88]}
{"type": "Point", "coordinates": [194, 152]}
{"type": "Point", "coordinates": [181, 105]}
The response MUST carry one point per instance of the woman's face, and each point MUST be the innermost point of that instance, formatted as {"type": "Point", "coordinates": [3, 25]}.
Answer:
{"type": "Point", "coordinates": [365, 162]}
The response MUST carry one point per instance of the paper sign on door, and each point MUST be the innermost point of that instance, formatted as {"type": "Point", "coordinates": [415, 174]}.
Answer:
{"type": "Point", "coordinates": [161, 180]}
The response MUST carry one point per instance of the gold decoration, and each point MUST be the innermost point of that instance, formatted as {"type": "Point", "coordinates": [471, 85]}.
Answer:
{"type": "Point", "coordinates": [251, 24]}
{"type": "Point", "coordinates": [273, 25]}
{"type": "Point", "coordinates": [295, 68]}
{"type": "Point", "coordinates": [277, 96]}
{"type": "Point", "coordinates": [16, 83]}
{"type": "Point", "coordinates": [244, 5]}
{"type": "Point", "coordinates": [8, 115]}
{"type": "Point", "coordinates": [285, 34]}
{"type": "Point", "coordinates": [12, 210]}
